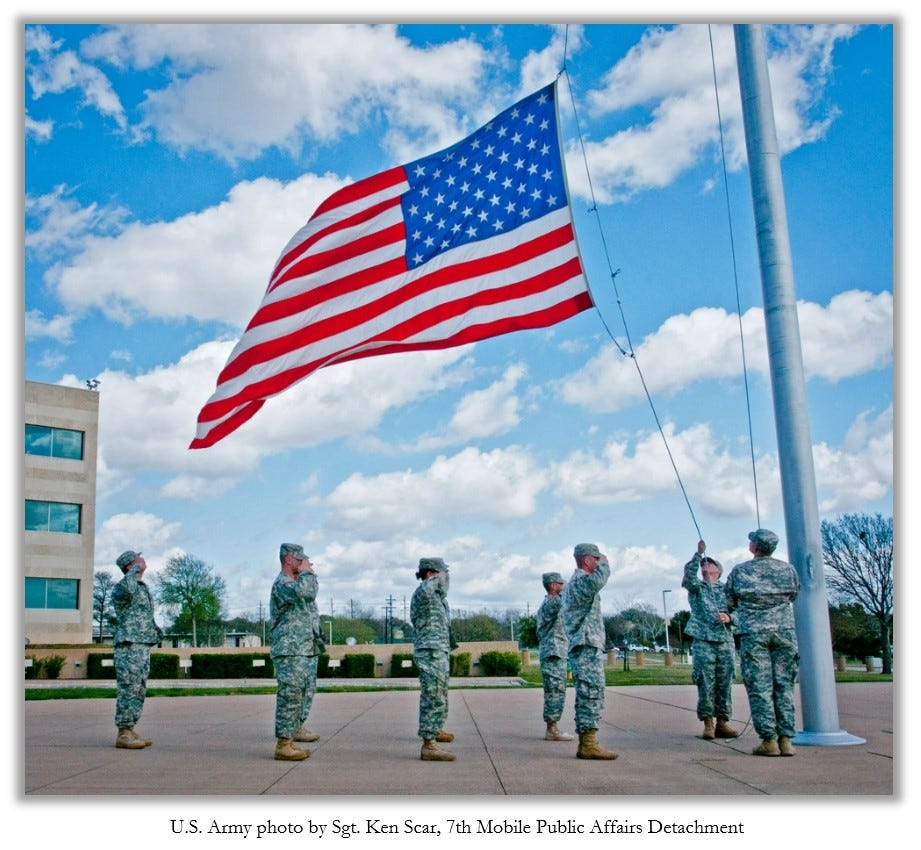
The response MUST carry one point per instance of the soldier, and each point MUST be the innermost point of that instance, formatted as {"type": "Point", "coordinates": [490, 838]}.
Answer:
{"type": "Point", "coordinates": [760, 593]}
{"type": "Point", "coordinates": [135, 633]}
{"type": "Point", "coordinates": [431, 619]}
{"type": "Point", "coordinates": [296, 647]}
{"type": "Point", "coordinates": [554, 649]}
{"type": "Point", "coordinates": [585, 630]}
{"type": "Point", "coordinates": [713, 648]}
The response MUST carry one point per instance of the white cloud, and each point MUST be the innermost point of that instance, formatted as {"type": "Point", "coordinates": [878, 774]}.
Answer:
{"type": "Point", "coordinates": [684, 126]}
{"type": "Point", "coordinates": [851, 336]}
{"type": "Point", "coordinates": [51, 72]}
{"type": "Point", "coordinates": [58, 328]}
{"type": "Point", "coordinates": [338, 402]}
{"type": "Point", "coordinates": [141, 531]}
{"type": "Point", "coordinates": [290, 83]}
{"type": "Point", "coordinates": [211, 265]}
{"type": "Point", "coordinates": [481, 413]}
{"type": "Point", "coordinates": [58, 224]}
{"type": "Point", "coordinates": [500, 486]}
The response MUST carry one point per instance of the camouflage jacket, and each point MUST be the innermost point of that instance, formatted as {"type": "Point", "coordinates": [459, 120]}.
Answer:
{"type": "Point", "coordinates": [582, 607]}
{"type": "Point", "coordinates": [430, 614]}
{"type": "Point", "coordinates": [759, 593]}
{"type": "Point", "coordinates": [134, 609]}
{"type": "Point", "coordinates": [294, 615]}
{"type": "Point", "coordinates": [706, 601]}
{"type": "Point", "coordinates": [551, 631]}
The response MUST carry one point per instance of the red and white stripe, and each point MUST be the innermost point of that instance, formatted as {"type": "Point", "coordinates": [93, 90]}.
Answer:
{"type": "Point", "coordinates": [342, 290]}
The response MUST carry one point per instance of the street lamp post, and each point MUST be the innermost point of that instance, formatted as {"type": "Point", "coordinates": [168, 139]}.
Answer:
{"type": "Point", "coordinates": [668, 647]}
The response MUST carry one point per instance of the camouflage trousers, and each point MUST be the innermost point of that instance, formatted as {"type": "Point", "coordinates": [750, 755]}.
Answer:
{"type": "Point", "coordinates": [297, 684]}
{"type": "Point", "coordinates": [713, 672]}
{"type": "Point", "coordinates": [434, 667]}
{"type": "Point", "coordinates": [132, 667]}
{"type": "Point", "coordinates": [587, 667]}
{"type": "Point", "coordinates": [553, 672]}
{"type": "Point", "coordinates": [769, 668]}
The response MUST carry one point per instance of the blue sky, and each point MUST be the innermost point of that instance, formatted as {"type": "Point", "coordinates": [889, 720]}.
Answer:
{"type": "Point", "coordinates": [166, 166]}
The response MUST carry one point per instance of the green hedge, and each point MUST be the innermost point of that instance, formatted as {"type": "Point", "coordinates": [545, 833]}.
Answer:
{"type": "Point", "coordinates": [94, 668]}
{"type": "Point", "coordinates": [497, 663]}
{"type": "Point", "coordinates": [460, 665]}
{"type": "Point", "coordinates": [163, 665]}
{"type": "Point", "coordinates": [357, 665]}
{"type": "Point", "coordinates": [397, 670]}
{"type": "Point", "coordinates": [211, 665]}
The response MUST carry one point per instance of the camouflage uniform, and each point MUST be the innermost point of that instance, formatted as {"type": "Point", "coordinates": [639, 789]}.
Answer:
{"type": "Point", "coordinates": [713, 648]}
{"type": "Point", "coordinates": [135, 633]}
{"type": "Point", "coordinates": [554, 649]}
{"type": "Point", "coordinates": [431, 619]}
{"type": "Point", "coordinates": [759, 593]}
{"type": "Point", "coordinates": [296, 647]}
{"type": "Point", "coordinates": [585, 631]}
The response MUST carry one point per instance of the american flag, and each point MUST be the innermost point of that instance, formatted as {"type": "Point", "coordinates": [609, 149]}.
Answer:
{"type": "Point", "coordinates": [469, 243]}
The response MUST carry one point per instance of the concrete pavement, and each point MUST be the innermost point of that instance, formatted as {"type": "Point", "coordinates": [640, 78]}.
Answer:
{"type": "Point", "coordinates": [222, 745]}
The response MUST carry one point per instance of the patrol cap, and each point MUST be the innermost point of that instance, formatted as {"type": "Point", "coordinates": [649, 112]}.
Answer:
{"type": "Point", "coordinates": [127, 557]}
{"type": "Point", "coordinates": [583, 549]}
{"type": "Point", "coordinates": [708, 560]}
{"type": "Point", "coordinates": [434, 564]}
{"type": "Point", "coordinates": [292, 549]}
{"type": "Point", "coordinates": [764, 539]}
{"type": "Point", "coordinates": [547, 578]}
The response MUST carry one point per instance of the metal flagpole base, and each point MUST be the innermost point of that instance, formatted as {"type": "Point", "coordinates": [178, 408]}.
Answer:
{"type": "Point", "coordinates": [826, 739]}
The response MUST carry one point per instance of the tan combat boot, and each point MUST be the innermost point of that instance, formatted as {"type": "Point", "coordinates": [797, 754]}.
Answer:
{"type": "Point", "coordinates": [286, 751]}
{"type": "Point", "coordinates": [145, 741]}
{"type": "Point", "coordinates": [553, 733]}
{"type": "Point", "coordinates": [305, 735]}
{"type": "Point", "coordinates": [127, 740]}
{"type": "Point", "coordinates": [709, 732]}
{"type": "Point", "coordinates": [430, 752]}
{"type": "Point", "coordinates": [724, 730]}
{"type": "Point", "coordinates": [785, 745]}
{"type": "Point", "coordinates": [589, 748]}
{"type": "Point", "coordinates": [444, 737]}
{"type": "Point", "coordinates": [768, 747]}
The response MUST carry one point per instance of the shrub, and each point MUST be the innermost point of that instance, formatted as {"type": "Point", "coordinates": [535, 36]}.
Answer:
{"type": "Point", "coordinates": [397, 670]}
{"type": "Point", "coordinates": [460, 664]}
{"type": "Point", "coordinates": [495, 663]}
{"type": "Point", "coordinates": [52, 666]}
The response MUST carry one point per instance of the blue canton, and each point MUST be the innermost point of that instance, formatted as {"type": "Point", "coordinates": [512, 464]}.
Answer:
{"type": "Point", "coordinates": [504, 175]}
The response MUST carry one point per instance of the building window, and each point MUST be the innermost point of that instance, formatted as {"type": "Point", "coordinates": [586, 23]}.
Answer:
{"type": "Point", "coordinates": [52, 516]}
{"type": "Point", "coordinates": [57, 593]}
{"type": "Point", "coordinates": [54, 442]}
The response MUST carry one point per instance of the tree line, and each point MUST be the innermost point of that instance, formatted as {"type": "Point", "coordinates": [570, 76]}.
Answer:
{"type": "Point", "coordinates": [857, 552]}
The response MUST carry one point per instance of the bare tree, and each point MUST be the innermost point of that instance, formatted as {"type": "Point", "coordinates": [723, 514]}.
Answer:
{"type": "Point", "coordinates": [103, 612]}
{"type": "Point", "coordinates": [857, 550]}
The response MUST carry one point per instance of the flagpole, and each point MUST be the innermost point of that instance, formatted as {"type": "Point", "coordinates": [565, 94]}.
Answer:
{"type": "Point", "coordinates": [794, 442]}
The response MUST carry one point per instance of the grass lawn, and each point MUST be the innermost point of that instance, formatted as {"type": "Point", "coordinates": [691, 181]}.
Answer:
{"type": "Point", "coordinates": [654, 674]}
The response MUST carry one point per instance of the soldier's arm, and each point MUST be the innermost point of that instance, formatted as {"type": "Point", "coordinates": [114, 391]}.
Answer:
{"type": "Point", "coordinates": [691, 581]}
{"type": "Point", "coordinates": [124, 591]}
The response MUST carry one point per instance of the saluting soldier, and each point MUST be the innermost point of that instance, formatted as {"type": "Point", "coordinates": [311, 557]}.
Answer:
{"type": "Point", "coordinates": [431, 619]}
{"type": "Point", "coordinates": [554, 651]}
{"type": "Point", "coordinates": [135, 633]}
